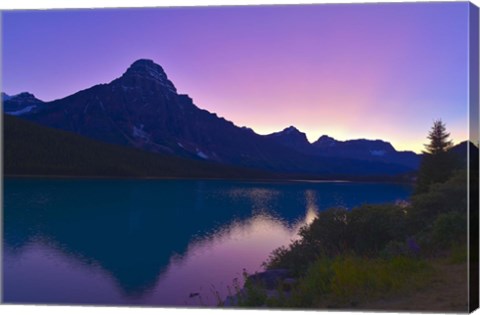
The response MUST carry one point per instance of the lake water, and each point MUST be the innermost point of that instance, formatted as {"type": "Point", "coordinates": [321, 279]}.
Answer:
{"type": "Point", "coordinates": [155, 242]}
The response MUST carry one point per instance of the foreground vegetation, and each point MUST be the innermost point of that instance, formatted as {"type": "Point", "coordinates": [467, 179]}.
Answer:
{"type": "Point", "coordinates": [347, 258]}
{"type": "Point", "coordinates": [342, 281]}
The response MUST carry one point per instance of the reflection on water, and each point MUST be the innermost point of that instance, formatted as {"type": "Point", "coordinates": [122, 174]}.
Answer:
{"type": "Point", "coordinates": [211, 264]}
{"type": "Point", "coordinates": [154, 242]}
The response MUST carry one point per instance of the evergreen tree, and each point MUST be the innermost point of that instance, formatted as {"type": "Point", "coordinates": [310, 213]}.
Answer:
{"type": "Point", "coordinates": [439, 139]}
{"type": "Point", "coordinates": [437, 162]}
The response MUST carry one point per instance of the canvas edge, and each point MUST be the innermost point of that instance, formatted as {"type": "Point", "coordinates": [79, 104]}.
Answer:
{"type": "Point", "coordinates": [1, 162]}
{"type": "Point", "coordinates": [473, 159]}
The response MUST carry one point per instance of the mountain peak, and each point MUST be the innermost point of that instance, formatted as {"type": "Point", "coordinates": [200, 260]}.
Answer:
{"type": "Point", "coordinates": [20, 104]}
{"type": "Point", "coordinates": [290, 137]}
{"type": "Point", "coordinates": [325, 137]}
{"type": "Point", "coordinates": [147, 69]}
{"type": "Point", "coordinates": [146, 64]}
{"type": "Point", "coordinates": [291, 129]}
{"type": "Point", "coordinates": [325, 141]}
{"type": "Point", "coordinates": [23, 97]}
{"type": "Point", "coordinates": [5, 96]}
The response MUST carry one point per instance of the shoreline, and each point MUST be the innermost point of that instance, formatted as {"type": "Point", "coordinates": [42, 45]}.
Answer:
{"type": "Point", "coordinates": [247, 179]}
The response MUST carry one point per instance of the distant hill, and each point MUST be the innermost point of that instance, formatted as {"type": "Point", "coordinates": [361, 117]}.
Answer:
{"type": "Point", "coordinates": [360, 149]}
{"type": "Point", "coordinates": [143, 110]}
{"type": "Point", "coordinates": [372, 150]}
{"type": "Point", "coordinates": [461, 150]}
{"type": "Point", "coordinates": [31, 149]}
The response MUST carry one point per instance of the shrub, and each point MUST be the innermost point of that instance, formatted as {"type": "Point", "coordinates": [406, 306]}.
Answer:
{"type": "Point", "coordinates": [449, 229]}
{"type": "Point", "coordinates": [450, 196]}
{"type": "Point", "coordinates": [328, 232]}
{"type": "Point", "coordinates": [325, 236]}
{"type": "Point", "coordinates": [365, 231]}
{"type": "Point", "coordinates": [296, 257]}
{"type": "Point", "coordinates": [372, 227]}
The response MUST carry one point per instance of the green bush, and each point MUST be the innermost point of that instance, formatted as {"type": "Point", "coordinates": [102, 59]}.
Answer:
{"type": "Point", "coordinates": [364, 231]}
{"type": "Point", "coordinates": [296, 257]}
{"type": "Point", "coordinates": [449, 229]}
{"type": "Point", "coordinates": [372, 227]}
{"type": "Point", "coordinates": [328, 232]}
{"type": "Point", "coordinates": [450, 196]}
{"type": "Point", "coordinates": [325, 236]}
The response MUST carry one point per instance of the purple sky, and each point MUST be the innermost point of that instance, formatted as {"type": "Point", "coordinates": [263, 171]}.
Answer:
{"type": "Point", "coordinates": [350, 70]}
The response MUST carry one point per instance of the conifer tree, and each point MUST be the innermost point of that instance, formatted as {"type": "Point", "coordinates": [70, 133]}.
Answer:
{"type": "Point", "coordinates": [439, 139]}
{"type": "Point", "coordinates": [437, 162]}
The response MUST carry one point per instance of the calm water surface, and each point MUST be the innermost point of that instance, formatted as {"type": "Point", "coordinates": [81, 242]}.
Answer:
{"type": "Point", "coordinates": [155, 242]}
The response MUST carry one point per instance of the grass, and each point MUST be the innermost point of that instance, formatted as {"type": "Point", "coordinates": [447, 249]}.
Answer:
{"type": "Point", "coordinates": [458, 254]}
{"type": "Point", "coordinates": [347, 280]}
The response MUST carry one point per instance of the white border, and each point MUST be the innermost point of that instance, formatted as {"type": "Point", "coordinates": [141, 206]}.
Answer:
{"type": "Point", "coordinates": [56, 4]}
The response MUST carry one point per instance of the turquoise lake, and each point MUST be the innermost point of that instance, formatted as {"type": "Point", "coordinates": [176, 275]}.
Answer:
{"type": "Point", "coordinates": [155, 242]}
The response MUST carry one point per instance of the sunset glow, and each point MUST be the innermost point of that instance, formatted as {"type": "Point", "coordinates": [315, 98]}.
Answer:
{"type": "Point", "coordinates": [376, 71]}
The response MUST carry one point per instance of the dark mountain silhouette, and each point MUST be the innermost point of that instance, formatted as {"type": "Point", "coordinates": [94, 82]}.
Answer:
{"type": "Point", "coordinates": [371, 150]}
{"type": "Point", "coordinates": [21, 104]}
{"type": "Point", "coordinates": [31, 149]}
{"type": "Point", "coordinates": [142, 109]}
{"type": "Point", "coordinates": [293, 138]}
{"type": "Point", "coordinates": [461, 151]}
{"type": "Point", "coordinates": [5, 96]}
{"type": "Point", "coordinates": [360, 149]}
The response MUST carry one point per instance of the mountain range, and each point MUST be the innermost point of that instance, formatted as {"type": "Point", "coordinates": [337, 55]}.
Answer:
{"type": "Point", "coordinates": [361, 149]}
{"type": "Point", "coordinates": [143, 110]}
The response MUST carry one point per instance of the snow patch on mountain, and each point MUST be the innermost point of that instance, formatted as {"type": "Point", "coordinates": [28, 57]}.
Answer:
{"type": "Point", "coordinates": [202, 155]}
{"type": "Point", "coordinates": [138, 132]}
{"type": "Point", "coordinates": [22, 111]}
